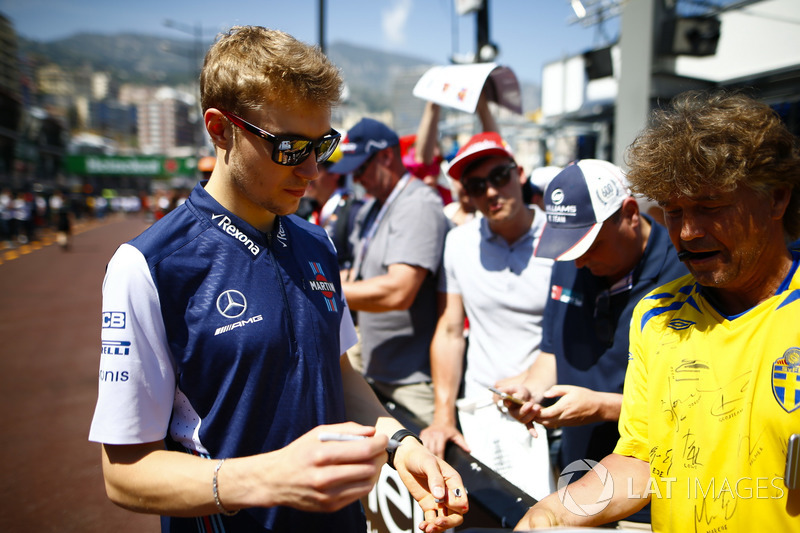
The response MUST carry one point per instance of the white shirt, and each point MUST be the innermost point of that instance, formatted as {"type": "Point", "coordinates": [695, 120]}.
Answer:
{"type": "Point", "coordinates": [504, 289]}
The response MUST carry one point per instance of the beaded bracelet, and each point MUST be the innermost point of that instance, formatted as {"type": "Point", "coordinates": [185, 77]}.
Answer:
{"type": "Point", "coordinates": [215, 488]}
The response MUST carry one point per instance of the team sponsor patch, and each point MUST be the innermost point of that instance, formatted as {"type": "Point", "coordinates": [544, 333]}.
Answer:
{"type": "Point", "coordinates": [114, 376]}
{"type": "Point", "coordinates": [116, 347]}
{"type": "Point", "coordinates": [231, 303]}
{"type": "Point", "coordinates": [567, 296]}
{"type": "Point", "coordinates": [282, 237]}
{"type": "Point", "coordinates": [114, 320]}
{"type": "Point", "coordinates": [786, 379]}
{"type": "Point", "coordinates": [225, 223]}
{"type": "Point", "coordinates": [238, 324]}
{"type": "Point", "coordinates": [321, 284]}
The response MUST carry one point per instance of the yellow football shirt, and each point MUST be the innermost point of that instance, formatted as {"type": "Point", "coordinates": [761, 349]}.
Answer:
{"type": "Point", "coordinates": [710, 402]}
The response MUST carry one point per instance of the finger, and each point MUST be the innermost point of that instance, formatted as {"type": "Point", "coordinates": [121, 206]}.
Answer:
{"type": "Point", "coordinates": [461, 442]}
{"type": "Point", "coordinates": [437, 447]}
{"type": "Point", "coordinates": [532, 430]}
{"type": "Point", "coordinates": [430, 516]}
{"type": "Point", "coordinates": [550, 413]}
{"type": "Point", "coordinates": [431, 440]}
{"type": "Point", "coordinates": [457, 499]}
{"type": "Point", "coordinates": [442, 523]}
{"type": "Point", "coordinates": [558, 390]}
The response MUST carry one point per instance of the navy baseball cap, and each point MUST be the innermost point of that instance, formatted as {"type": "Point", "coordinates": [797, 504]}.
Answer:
{"type": "Point", "coordinates": [577, 202]}
{"type": "Point", "coordinates": [361, 141]}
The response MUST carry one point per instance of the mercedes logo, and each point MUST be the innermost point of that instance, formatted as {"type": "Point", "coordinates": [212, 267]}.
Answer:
{"type": "Point", "coordinates": [231, 304]}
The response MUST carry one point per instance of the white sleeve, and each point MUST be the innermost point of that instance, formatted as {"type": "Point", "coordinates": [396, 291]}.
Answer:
{"type": "Point", "coordinates": [137, 376]}
{"type": "Point", "coordinates": [347, 330]}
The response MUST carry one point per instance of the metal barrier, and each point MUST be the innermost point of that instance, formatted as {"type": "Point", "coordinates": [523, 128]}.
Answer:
{"type": "Point", "coordinates": [494, 502]}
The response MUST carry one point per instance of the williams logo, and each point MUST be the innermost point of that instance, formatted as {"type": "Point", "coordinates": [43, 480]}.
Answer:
{"type": "Point", "coordinates": [321, 284]}
{"type": "Point", "coordinates": [231, 304]}
{"type": "Point", "coordinates": [786, 379]}
{"type": "Point", "coordinates": [225, 224]}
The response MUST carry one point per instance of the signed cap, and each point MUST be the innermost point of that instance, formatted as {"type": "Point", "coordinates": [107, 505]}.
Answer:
{"type": "Point", "coordinates": [577, 202]}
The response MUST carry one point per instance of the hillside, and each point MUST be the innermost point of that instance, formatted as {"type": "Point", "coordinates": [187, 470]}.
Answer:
{"type": "Point", "coordinates": [150, 59]}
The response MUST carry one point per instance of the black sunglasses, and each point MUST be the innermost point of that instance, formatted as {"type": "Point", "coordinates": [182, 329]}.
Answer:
{"type": "Point", "coordinates": [498, 177]}
{"type": "Point", "coordinates": [291, 150]}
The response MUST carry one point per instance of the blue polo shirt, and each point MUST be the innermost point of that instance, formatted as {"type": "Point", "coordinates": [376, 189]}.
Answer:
{"type": "Point", "coordinates": [225, 342]}
{"type": "Point", "coordinates": [592, 350]}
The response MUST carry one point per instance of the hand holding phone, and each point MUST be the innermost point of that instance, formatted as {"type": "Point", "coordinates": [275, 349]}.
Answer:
{"type": "Point", "coordinates": [506, 396]}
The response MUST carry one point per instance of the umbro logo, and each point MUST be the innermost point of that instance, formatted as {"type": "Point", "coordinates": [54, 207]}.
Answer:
{"type": "Point", "coordinates": [679, 324]}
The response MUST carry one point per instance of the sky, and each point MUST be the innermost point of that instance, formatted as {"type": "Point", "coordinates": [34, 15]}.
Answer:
{"type": "Point", "coordinates": [528, 33]}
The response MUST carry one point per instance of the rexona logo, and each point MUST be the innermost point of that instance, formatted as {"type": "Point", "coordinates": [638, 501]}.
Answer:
{"type": "Point", "coordinates": [224, 222]}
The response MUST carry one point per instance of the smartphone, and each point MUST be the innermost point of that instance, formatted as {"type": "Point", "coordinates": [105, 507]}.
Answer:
{"type": "Point", "coordinates": [547, 402]}
{"type": "Point", "coordinates": [506, 396]}
{"type": "Point", "coordinates": [791, 477]}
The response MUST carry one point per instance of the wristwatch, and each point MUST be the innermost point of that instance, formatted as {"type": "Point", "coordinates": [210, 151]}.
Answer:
{"type": "Point", "coordinates": [399, 436]}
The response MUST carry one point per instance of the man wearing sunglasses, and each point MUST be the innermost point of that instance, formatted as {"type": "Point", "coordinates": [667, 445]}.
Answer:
{"type": "Point", "coordinates": [398, 240]}
{"type": "Point", "coordinates": [608, 256]}
{"type": "Point", "coordinates": [224, 387]}
{"type": "Point", "coordinates": [491, 278]}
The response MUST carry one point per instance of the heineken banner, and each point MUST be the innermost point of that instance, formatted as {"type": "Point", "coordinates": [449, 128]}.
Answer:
{"type": "Point", "coordinates": [156, 166]}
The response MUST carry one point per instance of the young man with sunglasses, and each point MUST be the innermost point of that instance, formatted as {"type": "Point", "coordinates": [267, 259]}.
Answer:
{"type": "Point", "coordinates": [491, 278]}
{"type": "Point", "coordinates": [224, 380]}
{"type": "Point", "coordinates": [608, 256]}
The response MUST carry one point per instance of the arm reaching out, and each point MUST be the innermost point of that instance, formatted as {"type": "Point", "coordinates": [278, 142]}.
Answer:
{"type": "Point", "coordinates": [627, 473]}
{"type": "Point", "coordinates": [434, 484]}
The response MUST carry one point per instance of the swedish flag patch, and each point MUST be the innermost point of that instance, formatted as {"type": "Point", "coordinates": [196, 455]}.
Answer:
{"type": "Point", "coordinates": [786, 379]}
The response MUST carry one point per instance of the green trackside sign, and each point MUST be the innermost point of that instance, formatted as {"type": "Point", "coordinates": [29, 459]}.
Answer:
{"type": "Point", "coordinates": [155, 166]}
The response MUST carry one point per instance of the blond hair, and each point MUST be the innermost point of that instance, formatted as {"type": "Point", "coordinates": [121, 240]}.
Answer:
{"type": "Point", "coordinates": [249, 67]}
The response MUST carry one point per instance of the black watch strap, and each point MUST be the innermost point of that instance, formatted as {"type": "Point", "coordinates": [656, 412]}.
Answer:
{"type": "Point", "coordinates": [399, 436]}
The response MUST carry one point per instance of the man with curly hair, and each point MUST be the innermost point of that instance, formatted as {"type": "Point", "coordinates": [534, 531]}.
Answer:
{"type": "Point", "coordinates": [712, 390]}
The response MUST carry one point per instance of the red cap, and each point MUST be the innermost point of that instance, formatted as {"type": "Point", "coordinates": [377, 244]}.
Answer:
{"type": "Point", "coordinates": [482, 145]}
